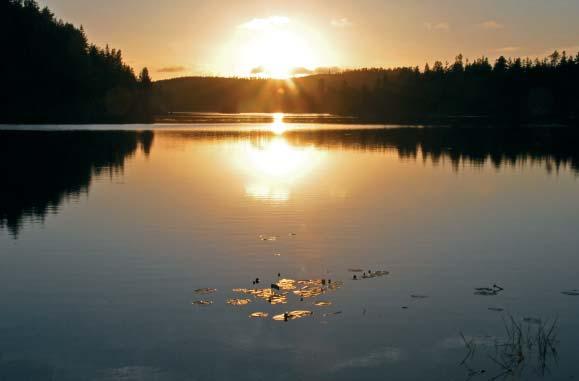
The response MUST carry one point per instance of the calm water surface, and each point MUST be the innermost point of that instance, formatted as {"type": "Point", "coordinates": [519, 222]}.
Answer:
{"type": "Point", "coordinates": [105, 235]}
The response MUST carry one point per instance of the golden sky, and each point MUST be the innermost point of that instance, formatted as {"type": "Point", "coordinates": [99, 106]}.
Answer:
{"type": "Point", "coordinates": [237, 37]}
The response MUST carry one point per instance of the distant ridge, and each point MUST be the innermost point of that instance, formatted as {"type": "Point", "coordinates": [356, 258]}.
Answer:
{"type": "Point", "coordinates": [510, 91]}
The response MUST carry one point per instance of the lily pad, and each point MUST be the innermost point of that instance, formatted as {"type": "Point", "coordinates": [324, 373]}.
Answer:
{"type": "Point", "coordinates": [238, 302]}
{"type": "Point", "coordinates": [315, 287]}
{"type": "Point", "coordinates": [266, 294]}
{"type": "Point", "coordinates": [257, 315]}
{"type": "Point", "coordinates": [322, 303]}
{"type": "Point", "coordinates": [486, 293]}
{"type": "Point", "coordinates": [335, 285]}
{"type": "Point", "coordinates": [292, 315]}
{"type": "Point", "coordinates": [332, 313]}
{"type": "Point", "coordinates": [570, 293]}
{"type": "Point", "coordinates": [286, 284]}
{"type": "Point", "coordinates": [204, 291]}
{"type": "Point", "coordinates": [375, 274]}
{"type": "Point", "coordinates": [202, 302]}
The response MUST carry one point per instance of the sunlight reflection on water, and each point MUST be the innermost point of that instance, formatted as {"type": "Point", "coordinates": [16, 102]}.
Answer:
{"type": "Point", "coordinates": [273, 166]}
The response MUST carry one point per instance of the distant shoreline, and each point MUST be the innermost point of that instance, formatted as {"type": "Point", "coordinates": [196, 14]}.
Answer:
{"type": "Point", "coordinates": [449, 121]}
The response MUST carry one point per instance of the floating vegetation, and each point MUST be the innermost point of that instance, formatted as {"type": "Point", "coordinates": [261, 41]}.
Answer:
{"type": "Point", "coordinates": [238, 302]}
{"type": "Point", "coordinates": [266, 294]}
{"type": "Point", "coordinates": [267, 237]}
{"type": "Point", "coordinates": [204, 291]}
{"type": "Point", "coordinates": [202, 302]}
{"type": "Point", "coordinates": [571, 293]}
{"type": "Point", "coordinates": [370, 274]}
{"type": "Point", "coordinates": [309, 292]}
{"type": "Point", "coordinates": [292, 315]}
{"type": "Point", "coordinates": [259, 315]}
{"type": "Point", "coordinates": [277, 299]}
{"type": "Point", "coordinates": [332, 313]}
{"type": "Point", "coordinates": [308, 288]}
{"type": "Point", "coordinates": [335, 285]}
{"type": "Point", "coordinates": [286, 284]}
{"type": "Point", "coordinates": [378, 273]}
{"type": "Point", "coordinates": [283, 289]}
{"type": "Point", "coordinates": [322, 303]}
{"type": "Point", "coordinates": [488, 291]}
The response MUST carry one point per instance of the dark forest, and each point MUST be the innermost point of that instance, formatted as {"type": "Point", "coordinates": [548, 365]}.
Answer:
{"type": "Point", "coordinates": [510, 90]}
{"type": "Point", "coordinates": [52, 74]}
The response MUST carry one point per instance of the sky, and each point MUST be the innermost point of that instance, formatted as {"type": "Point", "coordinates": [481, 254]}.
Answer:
{"type": "Point", "coordinates": [178, 38]}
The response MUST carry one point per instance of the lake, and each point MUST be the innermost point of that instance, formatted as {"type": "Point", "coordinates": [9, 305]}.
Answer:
{"type": "Point", "coordinates": [120, 247]}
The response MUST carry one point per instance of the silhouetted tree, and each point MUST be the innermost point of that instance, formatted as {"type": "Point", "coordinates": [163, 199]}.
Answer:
{"type": "Point", "coordinates": [52, 74]}
{"type": "Point", "coordinates": [144, 78]}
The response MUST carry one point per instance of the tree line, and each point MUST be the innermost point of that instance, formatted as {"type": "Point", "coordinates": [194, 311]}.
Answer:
{"type": "Point", "coordinates": [512, 90]}
{"type": "Point", "coordinates": [52, 74]}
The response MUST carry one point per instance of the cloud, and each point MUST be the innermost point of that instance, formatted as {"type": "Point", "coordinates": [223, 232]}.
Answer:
{"type": "Point", "coordinates": [570, 50]}
{"type": "Point", "coordinates": [508, 49]}
{"type": "Point", "coordinates": [341, 23]}
{"type": "Point", "coordinates": [258, 70]}
{"type": "Point", "coordinates": [171, 69]}
{"type": "Point", "coordinates": [491, 25]}
{"type": "Point", "coordinates": [265, 23]}
{"type": "Point", "coordinates": [438, 26]}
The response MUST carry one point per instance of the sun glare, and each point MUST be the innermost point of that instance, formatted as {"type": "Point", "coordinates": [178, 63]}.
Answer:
{"type": "Point", "coordinates": [273, 166]}
{"type": "Point", "coordinates": [278, 126]}
{"type": "Point", "coordinates": [275, 47]}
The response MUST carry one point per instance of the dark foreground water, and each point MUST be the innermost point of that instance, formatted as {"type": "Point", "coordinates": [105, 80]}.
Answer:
{"type": "Point", "coordinates": [106, 235]}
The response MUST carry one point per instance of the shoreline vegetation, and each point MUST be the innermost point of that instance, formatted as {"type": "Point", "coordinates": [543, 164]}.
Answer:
{"type": "Point", "coordinates": [56, 76]}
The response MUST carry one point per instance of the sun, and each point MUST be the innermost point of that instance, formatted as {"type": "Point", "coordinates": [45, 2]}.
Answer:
{"type": "Point", "coordinates": [278, 53]}
{"type": "Point", "coordinates": [275, 47]}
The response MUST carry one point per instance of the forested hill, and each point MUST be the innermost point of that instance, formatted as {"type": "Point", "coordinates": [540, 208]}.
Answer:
{"type": "Point", "coordinates": [509, 90]}
{"type": "Point", "coordinates": [52, 74]}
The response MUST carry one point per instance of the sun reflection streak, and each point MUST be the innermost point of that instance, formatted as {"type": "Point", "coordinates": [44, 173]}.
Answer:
{"type": "Point", "coordinates": [273, 167]}
{"type": "Point", "coordinates": [278, 126]}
